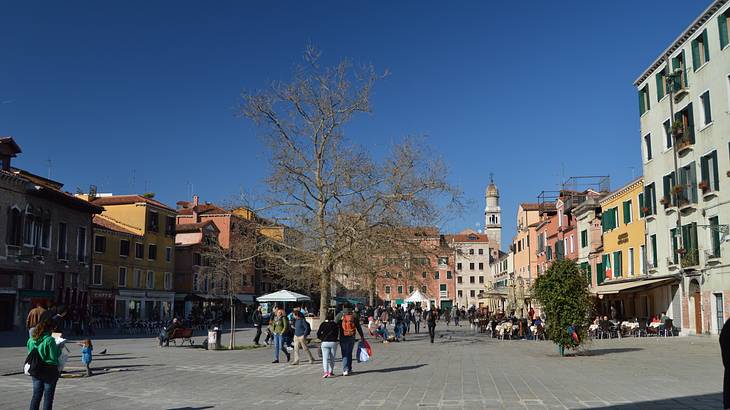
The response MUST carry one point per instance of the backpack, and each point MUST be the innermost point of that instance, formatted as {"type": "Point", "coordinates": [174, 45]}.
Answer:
{"type": "Point", "coordinates": [348, 324]}
{"type": "Point", "coordinates": [36, 367]}
{"type": "Point", "coordinates": [308, 327]}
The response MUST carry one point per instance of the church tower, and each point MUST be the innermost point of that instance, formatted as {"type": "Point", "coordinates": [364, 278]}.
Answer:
{"type": "Point", "coordinates": [493, 215]}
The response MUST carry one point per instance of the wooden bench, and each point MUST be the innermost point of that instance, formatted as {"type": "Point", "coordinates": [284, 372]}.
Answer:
{"type": "Point", "coordinates": [185, 334]}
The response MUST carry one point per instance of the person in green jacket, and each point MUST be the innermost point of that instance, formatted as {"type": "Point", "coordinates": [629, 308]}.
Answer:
{"type": "Point", "coordinates": [278, 325]}
{"type": "Point", "coordinates": [49, 352]}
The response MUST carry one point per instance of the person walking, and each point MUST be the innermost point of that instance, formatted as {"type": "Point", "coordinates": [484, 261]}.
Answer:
{"type": "Point", "coordinates": [431, 316]}
{"type": "Point", "coordinates": [349, 325]}
{"type": "Point", "coordinates": [86, 349]}
{"type": "Point", "coordinates": [44, 386]}
{"type": "Point", "coordinates": [301, 331]}
{"type": "Point", "coordinates": [417, 320]}
{"type": "Point", "coordinates": [34, 317]}
{"type": "Point", "coordinates": [455, 315]}
{"type": "Point", "coordinates": [258, 320]}
{"type": "Point", "coordinates": [725, 351]}
{"type": "Point", "coordinates": [279, 325]}
{"type": "Point", "coordinates": [329, 334]}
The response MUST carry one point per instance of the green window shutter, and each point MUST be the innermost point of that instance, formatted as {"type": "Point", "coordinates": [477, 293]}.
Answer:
{"type": "Point", "coordinates": [600, 273]}
{"type": "Point", "coordinates": [684, 70]}
{"type": "Point", "coordinates": [589, 274]}
{"type": "Point", "coordinates": [722, 25]}
{"type": "Point", "coordinates": [642, 109]}
{"type": "Point", "coordinates": [695, 54]}
{"type": "Point", "coordinates": [617, 264]}
{"type": "Point", "coordinates": [707, 45]}
{"type": "Point", "coordinates": [691, 123]}
{"type": "Point", "coordinates": [659, 85]}
{"type": "Point", "coordinates": [627, 212]}
{"type": "Point", "coordinates": [704, 169]}
{"type": "Point", "coordinates": [641, 205]}
{"type": "Point", "coordinates": [604, 221]}
{"type": "Point", "coordinates": [715, 171]}
{"type": "Point", "coordinates": [614, 218]}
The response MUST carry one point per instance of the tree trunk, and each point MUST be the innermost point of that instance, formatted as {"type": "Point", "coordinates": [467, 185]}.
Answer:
{"type": "Point", "coordinates": [232, 342]}
{"type": "Point", "coordinates": [324, 288]}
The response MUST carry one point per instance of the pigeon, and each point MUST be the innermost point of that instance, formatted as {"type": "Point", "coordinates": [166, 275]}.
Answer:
{"type": "Point", "coordinates": [103, 352]}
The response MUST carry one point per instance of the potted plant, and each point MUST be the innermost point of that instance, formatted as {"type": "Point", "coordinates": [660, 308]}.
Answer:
{"type": "Point", "coordinates": [677, 129]}
{"type": "Point", "coordinates": [678, 189]}
{"type": "Point", "coordinates": [704, 186]}
{"type": "Point", "coordinates": [645, 210]}
{"type": "Point", "coordinates": [681, 251]}
{"type": "Point", "coordinates": [664, 201]}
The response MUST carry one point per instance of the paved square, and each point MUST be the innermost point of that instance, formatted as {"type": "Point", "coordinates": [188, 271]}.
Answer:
{"type": "Point", "coordinates": [460, 371]}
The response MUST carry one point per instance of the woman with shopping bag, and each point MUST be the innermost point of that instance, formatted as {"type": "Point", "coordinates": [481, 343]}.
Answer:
{"type": "Point", "coordinates": [364, 352]}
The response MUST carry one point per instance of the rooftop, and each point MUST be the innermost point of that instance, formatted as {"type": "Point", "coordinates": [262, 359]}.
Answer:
{"type": "Point", "coordinates": [129, 199]}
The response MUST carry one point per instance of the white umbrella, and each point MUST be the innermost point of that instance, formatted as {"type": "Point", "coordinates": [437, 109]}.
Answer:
{"type": "Point", "coordinates": [283, 296]}
{"type": "Point", "coordinates": [416, 297]}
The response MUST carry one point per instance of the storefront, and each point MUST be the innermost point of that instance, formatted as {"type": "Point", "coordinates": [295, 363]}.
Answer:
{"type": "Point", "coordinates": [638, 299]}
{"type": "Point", "coordinates": [138, 305]}
{"type": "Point", "coordinates": [101, 302]}
{"type": "Point", "coordinates": [29, 298]}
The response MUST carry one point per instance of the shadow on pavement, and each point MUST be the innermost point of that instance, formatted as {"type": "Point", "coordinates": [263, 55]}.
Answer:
{"type": "Point", "coordinates": [191, 408]}
{"type": "Point", "coordinates": [705, 401]}
{"type": "Point", "coordinates": [391, 369]}
{"type": "Point", "coordinates": [601, 352]}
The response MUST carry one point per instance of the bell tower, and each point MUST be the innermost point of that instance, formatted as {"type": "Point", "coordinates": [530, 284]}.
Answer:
{"type": "Point", "coordinates": [493, 215]}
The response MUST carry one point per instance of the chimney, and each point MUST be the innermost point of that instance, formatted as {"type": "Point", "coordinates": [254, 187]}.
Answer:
{"type": "Point", "coordinates": [196, 200]}
{"type": "Point", "coordinates": [8, 149]}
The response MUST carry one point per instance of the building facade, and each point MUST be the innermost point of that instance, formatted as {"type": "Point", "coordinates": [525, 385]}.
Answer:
{"type": "Point", "coordinates": [590, 242]}
{"type": "Point", "coordinates": [471, 252]}
{"type": "Point", "coordinates": [192, 286]}
{"type": "Point", "coordinates": [142, 272]}
{"type": "Point", "coordinates": [44, 242]}
{"type": "Point", "coordinates": [685, 137]}
{"type": "Point", "coordinates": [525, 261]}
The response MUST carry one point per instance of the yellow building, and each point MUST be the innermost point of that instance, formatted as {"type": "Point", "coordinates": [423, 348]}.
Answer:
{"type": "Point", "coordinates": [133, 258]}
{"type": "Point", "coordinates": [624, 252]}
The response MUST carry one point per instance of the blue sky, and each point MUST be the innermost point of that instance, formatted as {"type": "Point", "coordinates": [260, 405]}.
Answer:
{"type": "Point", "coordinates": [139, 96]}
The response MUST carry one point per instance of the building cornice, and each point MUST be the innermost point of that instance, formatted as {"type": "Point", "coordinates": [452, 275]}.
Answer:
{"type": "Point", "coordinates": [686, 35]}
{"type": "Point", "coordinates": [622, 191]}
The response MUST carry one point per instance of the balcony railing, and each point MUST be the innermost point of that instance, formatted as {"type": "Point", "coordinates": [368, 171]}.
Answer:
{"type": "Point", "coordinates": [691, 258]}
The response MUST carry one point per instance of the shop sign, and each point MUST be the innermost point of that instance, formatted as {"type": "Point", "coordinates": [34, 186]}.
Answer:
{"type": "Point", "coordinates": [101, 294]}
{"type": "Point", "coordinates": [623, 238]}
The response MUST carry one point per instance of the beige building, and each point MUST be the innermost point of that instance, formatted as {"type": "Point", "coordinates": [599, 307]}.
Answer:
{"type": "Point", "coordinates": [472, 265]}
{"type": "Point", "coordinates": [525, 262]}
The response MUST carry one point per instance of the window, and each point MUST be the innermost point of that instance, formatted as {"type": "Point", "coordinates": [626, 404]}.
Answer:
{"type": "Point", "coordinates": [137, 278]}
{"type": "Point", "coordinates": [647, 147]}
{"type": "Point", "coordinates": [642, 259]}
{"type": "Point", "coordinates": [481, 265]}
{"type": "Point", "coordinates": [680, 63]}
{"type": "Point", "coordinates": [168, 280]}
{"type": "Point", "coordinates": [153, 221]}
{"type": "Point", "coordinates": [400, 275]}
{"type": "Point", "coordinates": [722, 23]}
{"type": "Point", "coordinates": [481, 279]}
{"type": "Point", "coordinates": [122, 277]}
{"type": "Point", "coordinates": [48, 281]}
{"type": "Point", "coordinates": [560, 217]}
{"type": "Point", "coordinates": [481, 251]}
{"type": "Point", "coordinates": [609, 219]}
{"type": "Point", "coordinates": [472, 293]}
{"type": "Point", "coordinates": [640, 204]}
{"type": "Point", "coordinates": [410, 289]}
{"type": "Point", "coordinates": [458, 279]}
{"type": "Point", "coordinates": [706, 108]}
{"type": "Point", "coordinates": [617, 268]}
{"type": "Point", "coordinates": [81, 244]}
{"type": "Point", "coordinates": [197, 261]}
{"type": "Point", "coordinates": [436, 275]}
{"type": "Point", "coordinates": [471, 279]}
{"type": "Point", "coordinates": [387, 289]}
{"type": "Point", "coordinates": [96, 275]}
{"type": "Point", "coordinates": [99, 244]}
{"type": "Point", "coordinates": [62, 242]}
{"type": "Point", "coordinates": [152, 252]}
{"type": "Point", "coordinates": [661, 84]}
{"type": "Point", "coordinates": [471, 251]}
{"type": "Point", "coordinates": [170, 225]}
{"type": "Point", "coordinates": [443, 260]}
{"type": "Point", "coordinates": [460, 293]}
{"type": "Point", "coordinates": [669, 181]}
{"type": "Point", "coordinates": [719, 312]}
{"type": "Point", "coordinates": [196, 281]}
{"type": "Point", "coordinates": [448, 274]}
{"type": "Point", "coordinates": [715, 237]}
{"type": "Point", "coordinates": [442, 288]}
{"type": "Point", "coordinates": [572, 243]}
{"type": "Point", "coordinates": [689, 240]}
{"type": "Point", "coordinates": [124, 248]}
{"type": "Point", "coordinates": [686, 133]}
{"type": "Point", "coordinates": [644, 103]}
{"type": "Point", "coordinates": [46, 232]}
{"type": "Point", "coordinates": [471, 266]}
{"type": "Point", "coordinates": [675, 245]}
{"type": "Point", "coordinates": [423, 289]}
{"type": "Point", "coordinates": [549, 253]}
{"type": "Point", "coordinates": [150, 280]}
{"type": "Point", "coordinates": [710, 176]}
{"type": "Point", "coordinates": [168, 254]}
{"type": "Point", "coordinates": [631, 262]}
{"type": "Point", "coordinates": [15, 228]}
{"type": "Point", "coordinates": [139, 250]}
{"type": "Point", "coordinates": [667, 134]}
{"type": "Point", "coordinates": [688, 185]}
{"type": "Point", "coordinates": [627, 212]}
{"type": "Point", "coordinates": [400, 290]}
{"type": "Point", "coordinates": [584, 238]}
{"type": "Point", "coordinates": [650, 199]}
{"type": "Point", "coordinates": [700, 50]}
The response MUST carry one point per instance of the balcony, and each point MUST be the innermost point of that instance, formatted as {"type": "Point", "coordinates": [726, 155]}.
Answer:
{"type": "Point", "coordinates": [708, 191]}
{"type": "Point", "coordinates": [690, 259]}
{"type": "Point", "coordinates": [669, 204]}
{"type": "Point", "coordinates": [712, 257]}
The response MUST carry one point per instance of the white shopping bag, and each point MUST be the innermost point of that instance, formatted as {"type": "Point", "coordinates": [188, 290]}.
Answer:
{"type": "Point", "coordinates": [363, 355]}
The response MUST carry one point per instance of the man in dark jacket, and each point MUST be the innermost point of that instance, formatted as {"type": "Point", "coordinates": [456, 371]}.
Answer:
{"type": "Point", "coordinates": [431, 315]}
{"type": "Point", "coordinates": [725, 351]}
{"type": "Point", "coordinates": [258, 320]}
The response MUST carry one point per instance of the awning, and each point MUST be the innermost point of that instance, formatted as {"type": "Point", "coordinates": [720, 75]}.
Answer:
{"type": "Point", "coordinates": [245, 298]}
{"type": "Point", "coordinates": [614, 288]}
{"type": "Point", "coordinates": [283, 296]}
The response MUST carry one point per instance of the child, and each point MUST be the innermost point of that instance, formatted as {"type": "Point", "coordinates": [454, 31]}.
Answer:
{"type": "Point", "coordinates": [86, 349]}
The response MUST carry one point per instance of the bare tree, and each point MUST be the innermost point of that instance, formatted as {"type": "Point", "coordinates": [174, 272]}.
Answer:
{"type": "Point", "coordinates": [329, 189]}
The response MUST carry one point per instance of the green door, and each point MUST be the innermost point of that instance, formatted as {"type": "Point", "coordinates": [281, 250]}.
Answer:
{"type": "Point", "coordinates": [446, 304]}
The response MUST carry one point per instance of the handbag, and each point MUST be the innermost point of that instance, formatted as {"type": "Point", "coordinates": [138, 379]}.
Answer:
{"type": "Point", "coordinates": [36, 367]}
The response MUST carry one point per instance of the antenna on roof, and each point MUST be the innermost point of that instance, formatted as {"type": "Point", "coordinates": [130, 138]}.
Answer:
{"type": "Point", "coordinates": [48, 161]}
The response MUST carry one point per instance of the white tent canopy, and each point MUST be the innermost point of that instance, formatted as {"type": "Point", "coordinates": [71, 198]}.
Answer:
{"type": "Point", "coordinates": [416, 297]}
{"type": "Point", "coordinates": [283, 296]}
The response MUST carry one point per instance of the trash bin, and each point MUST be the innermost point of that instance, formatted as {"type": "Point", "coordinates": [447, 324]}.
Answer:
{"type": "Point", "coordinates": [214, 339]}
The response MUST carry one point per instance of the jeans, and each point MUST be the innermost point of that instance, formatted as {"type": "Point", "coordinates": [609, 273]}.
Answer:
{"type": "Point", "coordinates": [407, 327]}
{"type": "Point", "coordinates": [432, 331]}
{"type": "Point", "coordinates": [417, 326]}
{"type": "Point", "coordinates": [45, 391]}
{"type": "Point", "coordinates": [299, 341]}
{"type": "Point", "coordinates": [398, 330]}
{"type": "Point", "coordinates": [279, 346]}
{"type": "Point", "coordinates": [383, 331]}
{"type": "Point", "coordinates": [347, 343]}
{"type": "Point", "coordinates": [329, 350]}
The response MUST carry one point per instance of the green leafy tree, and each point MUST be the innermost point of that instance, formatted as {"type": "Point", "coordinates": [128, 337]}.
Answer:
{"type": "Point", "coordinates": [563, 294]}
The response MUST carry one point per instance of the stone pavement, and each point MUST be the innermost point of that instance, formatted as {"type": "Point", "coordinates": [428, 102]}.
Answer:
{"type": "Point", "coordinates": [460, 371]}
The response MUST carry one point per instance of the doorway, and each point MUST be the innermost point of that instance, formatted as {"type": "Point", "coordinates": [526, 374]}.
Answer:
{"type": "Point", "coordinates": [696, 303]}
